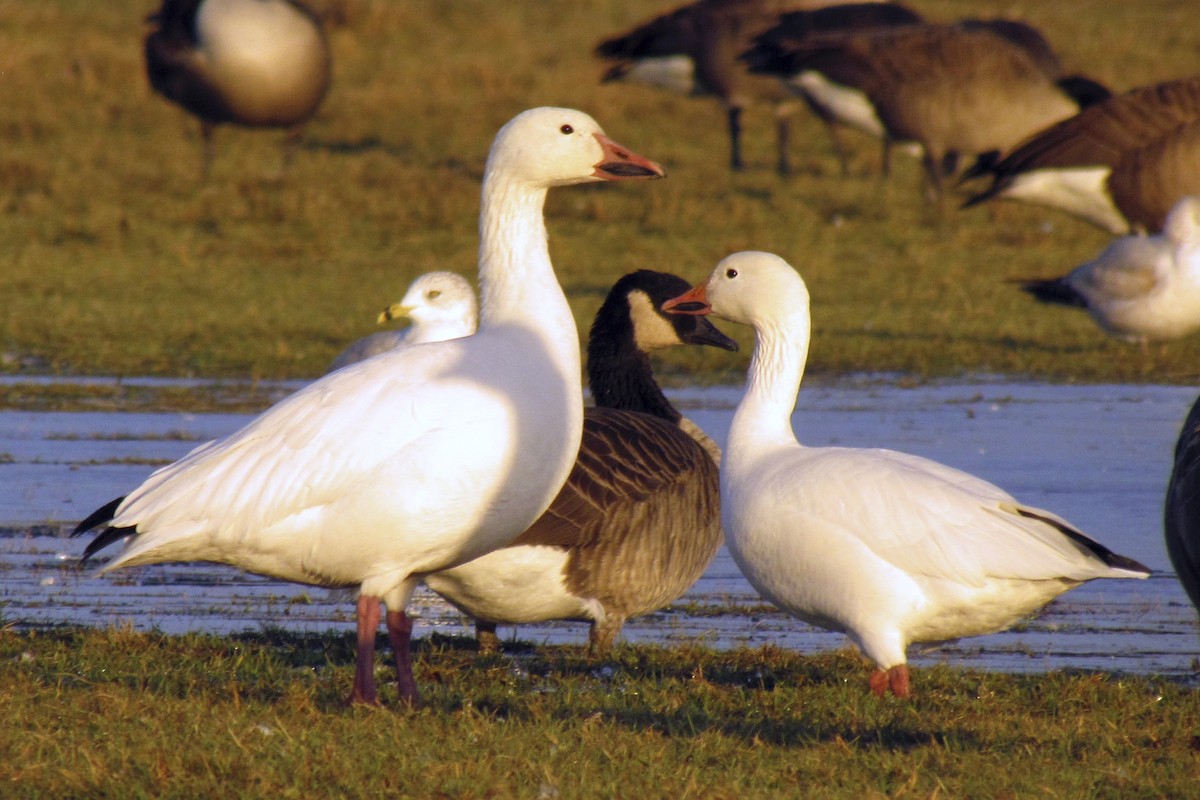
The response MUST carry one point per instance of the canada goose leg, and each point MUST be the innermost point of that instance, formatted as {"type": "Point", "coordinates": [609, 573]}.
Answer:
{"type": "Point", "coordinates": [399, 628]}
{"type": "Point", "coordinates": [291, 143]}
{"type": "Point", "coordinates": [735, 138]}
{"type": "Point", "coordinates": [364, 665]}
{"type": "Point", "coordinates": [207, 129]}
{"type": "Point", "coordinates": [603, 634]}
{"type": "Point", "coordinates": [485, 634]}
{"type": "Point", "coordinates": [895, 679]}
{"type": "Point", "coordinates": [933, 179]}
{"type": "Point", "coordinates": [885, 165]}
{"type": "Point", "coordinates": [839, 145]}
{"type": "Point", "coordinates": [783, 135]}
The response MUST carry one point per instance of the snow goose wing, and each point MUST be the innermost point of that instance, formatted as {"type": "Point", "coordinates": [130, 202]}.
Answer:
{"type": "Point", "coordinates": [888, 547]}
{"type": "Point", "coordinates": [419, 458]}
{"type": "Point", "coordinates": [637, 522]}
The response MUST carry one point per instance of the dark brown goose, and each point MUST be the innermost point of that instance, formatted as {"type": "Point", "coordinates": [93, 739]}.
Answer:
{"type": "Point", "coordinates": [693, 50]}
{"type": "Point", "coordinates": [1121, 164]}
{"type": "Point", "coordinates": [638, 520]}
{"type": "Point", "coordinates": [255, 63]}
{"type": "Point", "coordinates": [835, 105]}
{"type": "Point", "coordinates": [1181, 516]}
{"type": "Point", "coordinates": [954, 91]}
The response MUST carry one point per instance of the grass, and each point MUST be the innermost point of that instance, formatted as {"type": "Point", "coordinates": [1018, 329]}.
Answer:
{"type": "Point", "coordinates": [116, 259]}
{"type": "Point", "coordinates": [115, 713]}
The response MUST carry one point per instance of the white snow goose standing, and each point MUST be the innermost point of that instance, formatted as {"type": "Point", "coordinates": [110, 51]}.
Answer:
{"type": "Point", "coordinates": [887, 547]}
{"type": "Point", "coordinates": [441, 305]}
{"type": "Point", "coordinates": [638, 520]}
{"type": "Point", "coordinates": [1141, 288]}
{"type": "Point", "coordinates": [255, 63]}
{"type": "Point", "coordinates": [415, 460]}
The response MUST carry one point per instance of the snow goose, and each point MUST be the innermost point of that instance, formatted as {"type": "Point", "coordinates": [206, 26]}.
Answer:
{"type": "Point", "coordinates": [693, 50]}
{"type": "Point", "coordinates": [441, 305]}
{"type": "Point", "coordinates": [256, 63]}
{"type": "Point", "coordinates": [638, 520]}
{"type": "Point", "coordinates": [889, 548]}
{"type": "Point", "coordinates": [1121, 164]}
{"type": "Point", "coordinates": [1141, 288]}
{"type": "Point", "coordinates": [956, 92]}
{"type": "Point", "coordinates": [415, 460]}
{"type": "Point", "coordinates": [1181, 514]}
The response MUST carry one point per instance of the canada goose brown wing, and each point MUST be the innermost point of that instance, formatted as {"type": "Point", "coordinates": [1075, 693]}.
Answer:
{"type": "Point", "coordinates": [1182, 507]}
{"type": "Point", "coordinates": [1147, 183]}
{"type": "Point", "coordinates": [1102, 133]}
{"type": "Point", "coordinates": [625, 459]}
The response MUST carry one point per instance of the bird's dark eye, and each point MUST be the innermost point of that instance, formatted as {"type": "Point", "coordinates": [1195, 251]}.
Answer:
{"type": "Point", "coordinates": [567, 130]}
{"type": "Point", "coordinates": [731, 273]}
{"type": "Point", "coordinates": [434, 294]}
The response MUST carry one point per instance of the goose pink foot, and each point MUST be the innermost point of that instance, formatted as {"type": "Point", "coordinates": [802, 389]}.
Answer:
{"type": "Point", "coordinates": [896, 679]}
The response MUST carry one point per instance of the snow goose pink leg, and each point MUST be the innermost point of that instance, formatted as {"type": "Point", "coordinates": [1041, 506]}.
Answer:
{"type": "Point", "coordinates": [415, 460]}
{"type": "Point", "coordinates": [887, 547]}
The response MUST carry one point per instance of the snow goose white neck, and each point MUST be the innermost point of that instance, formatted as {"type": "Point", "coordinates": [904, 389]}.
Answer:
{"type": "Point", "coordinates": [420, 458]}
{"type": "Point", "coordinates": [887, 547]}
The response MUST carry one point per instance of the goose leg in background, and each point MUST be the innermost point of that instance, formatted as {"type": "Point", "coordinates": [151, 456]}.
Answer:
{"type": "Point", "coordinates": [735, 139]}
{"type": "Point", "coordinates": [399, 628]}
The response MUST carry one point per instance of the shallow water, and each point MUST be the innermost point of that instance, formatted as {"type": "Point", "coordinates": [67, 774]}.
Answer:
{"type": "Point", "coordinates": [1098, 455]}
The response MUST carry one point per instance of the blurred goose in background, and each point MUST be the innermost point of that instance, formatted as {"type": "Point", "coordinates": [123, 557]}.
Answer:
{"type": "Point", "coordinates": [1120, 164]}
{"type": "Point", "coordinates": [638, 520]}
{"type": "Point", "coordinates": [956, 92]}
{"type": "Point", "coordinates": [415, 460]}
{"type": "Point", "coordinates": [441, 305]}
{"type": "Point", "coordinates": [693, 50]}
{"type": "Point", "coordinates": [834, 104]}
{"type": "Point", "coordinates": [1141, 288]}
{"type": "Point", "coordinates": [887, 547]}
{"type": "Point", "coordinates": [255, 63]}
{"type": "Point", "coordinates": [1181, 515]}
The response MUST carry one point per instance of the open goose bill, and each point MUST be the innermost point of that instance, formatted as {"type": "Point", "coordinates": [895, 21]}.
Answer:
{"type": "Point", "coordinates": [621, 163]}
{"type": "Point", "coordinates": [693, 302]}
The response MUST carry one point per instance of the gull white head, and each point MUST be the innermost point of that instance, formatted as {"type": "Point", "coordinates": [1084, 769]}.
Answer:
{"type": "Point", "coordinates": [441, 302]}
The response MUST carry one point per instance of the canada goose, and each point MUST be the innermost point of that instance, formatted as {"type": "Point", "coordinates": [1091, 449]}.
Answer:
{"type": "Point", "coordinates": [955, 92]}
{"type": "Point", "coordinates": [638, 520]}
{"type": "Point", "coordinates": [1141, 288]}
{"type": "Point", "coordinates": [256, 63]}
{"type": "Point", "coordinates": [1181, 514]}
{"type": "Point", "coordinates": [834, 104]}
{"type": "Point", "coordinates": [441, 306]}
{"type": "Point", "coordinates": [1120, 164]}
{"type": "Point", "coordinates": [887, 547]}
{"type": "Point", "coordinates": [419, 458]}
{"type": "Point", "coordinates": [693, 49]}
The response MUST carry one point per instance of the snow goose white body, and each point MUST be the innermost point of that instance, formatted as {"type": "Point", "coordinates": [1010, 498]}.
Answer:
{"type": "Point", "coordinates": [419, 458]}
{"type": "Point", "coordinates": [887, 547]}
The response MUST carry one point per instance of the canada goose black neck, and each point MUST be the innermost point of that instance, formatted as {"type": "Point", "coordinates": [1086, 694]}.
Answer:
{"type": "Point", "coordinates": [629, 323]}
{"type": "Point", "coordinates": [619, 373]}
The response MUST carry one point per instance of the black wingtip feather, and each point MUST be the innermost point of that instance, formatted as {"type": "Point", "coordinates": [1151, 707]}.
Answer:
{"type": "Point", "coordinates": [101, 516]}
{"type": "Point", "coordinates": [1114, 560]}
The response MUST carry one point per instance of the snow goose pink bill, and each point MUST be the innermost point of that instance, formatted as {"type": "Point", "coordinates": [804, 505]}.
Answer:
{"type": "Point", "coordinates": [887, 547]}
{"type": "Point", "coordinates": [415, 460]}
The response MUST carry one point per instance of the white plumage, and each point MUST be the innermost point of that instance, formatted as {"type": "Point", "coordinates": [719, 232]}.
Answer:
{"type": "Point", "coordinates": [1141, 288]}
{"type": "Point", "coordinates": [420, 458]}
{"type": "Point", "coordinates": [441, 305]}
{"type": "Point", "coordinates": [889, 548]}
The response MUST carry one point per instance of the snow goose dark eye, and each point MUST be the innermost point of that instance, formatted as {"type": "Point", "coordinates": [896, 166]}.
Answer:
{"type": "Point", "coordinates": [567, 130]}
